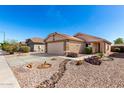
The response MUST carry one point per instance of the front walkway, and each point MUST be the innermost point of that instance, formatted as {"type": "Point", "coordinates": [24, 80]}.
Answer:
{"type": "Point", "coordinates": [81, 57]}
{"type": "Point", "coordinates": [7, 78]}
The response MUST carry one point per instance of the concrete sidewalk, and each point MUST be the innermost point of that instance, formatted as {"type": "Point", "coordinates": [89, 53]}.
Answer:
{"type": "Point", "coordinates": [7, 78]}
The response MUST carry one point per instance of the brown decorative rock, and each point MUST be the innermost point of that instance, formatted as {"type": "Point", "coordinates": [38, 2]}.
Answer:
{"type": "Point", "coordinates": [54, 78]}
{"type": "Point", "coordinates": [79, 62]}
{"type": "Point", "coordinates": [29, 66]}
{"type": "Point", "coordinates": [93, 60]}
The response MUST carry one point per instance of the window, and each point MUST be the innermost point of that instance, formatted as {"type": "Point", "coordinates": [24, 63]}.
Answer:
{"type": "Point", "coordinates": [86, 45]}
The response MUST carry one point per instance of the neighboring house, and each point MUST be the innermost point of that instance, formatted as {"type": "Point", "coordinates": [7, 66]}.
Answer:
{"type": "Point", "coordinates": [23, 43]}
{"type": "Point", "coordinates": [97, 44]}
{"type": "Point", "coordinates": [36, 44]}
{"type": "Point", "coordinates": [59, 44]}
{"type": "Point", "coordinates": [117, 48]}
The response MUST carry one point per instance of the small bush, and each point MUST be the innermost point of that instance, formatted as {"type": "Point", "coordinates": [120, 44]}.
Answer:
{"type": "Point", "coordinates": [8, 48]}
{"type": "Point", "coordinates": [24, 49]}
{"type": "Point", "coordinates": [100, 55]}
{"type": "Point", "coordinates": [88, 50]}
{"type": "Point", "coordinates": [72, 54]}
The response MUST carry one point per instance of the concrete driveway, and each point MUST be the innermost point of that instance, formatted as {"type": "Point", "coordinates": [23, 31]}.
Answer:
{"type": "Point", "coordinates": [7, 78]}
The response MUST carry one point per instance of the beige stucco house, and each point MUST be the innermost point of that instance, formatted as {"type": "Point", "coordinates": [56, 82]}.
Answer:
{"type": "Point", "coordinates": [59, 44]}
{"type": "Point", "coordinates": [97, 44]}
{"type": "Point", "coordinates": [36, 44]}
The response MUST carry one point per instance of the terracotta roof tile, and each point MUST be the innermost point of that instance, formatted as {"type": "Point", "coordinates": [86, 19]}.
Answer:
{"type": "Point", "coordinates": [89, 38]}
{"type": "Point", "coordinates": [36, 40]}
{"type": "Point", "coordinates": [66, 36]}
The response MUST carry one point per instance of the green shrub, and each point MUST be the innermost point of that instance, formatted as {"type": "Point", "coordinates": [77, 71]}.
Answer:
{"type": "Point", "coordinates": [24, 49]}
{"type": "Point", "coordinates": [88, 50]}
{"type": "Point", "coordinates": [9, 49]}
{"type": "Point", "coordinates": [100, 54]}
{"type": "Point", "coordinates": [15, 48]}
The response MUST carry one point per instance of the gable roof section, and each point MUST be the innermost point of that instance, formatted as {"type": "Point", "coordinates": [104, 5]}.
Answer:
{"type": "Point", "coordinates": [35, 40]}
{"type": "Point", "coordinates": [89, 38]}
{"type": "Point", "coordinates": [66, 37]}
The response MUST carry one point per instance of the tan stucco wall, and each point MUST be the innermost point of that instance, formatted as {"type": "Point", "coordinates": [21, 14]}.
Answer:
{"type": "Point", "coordinates": [39, 48]}
{"type": "Point", "coordinates": [56, 37]}
{"type": "Point", "coordinates": [95, 47]}
{"type": "Point", "coordinates": [105, 47]}
{"type": "Point", "coordinates": [73, 46]}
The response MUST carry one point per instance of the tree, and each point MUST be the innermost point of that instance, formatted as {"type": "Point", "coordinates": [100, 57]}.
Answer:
{"type": "Point", "coordinates": [119, 41]}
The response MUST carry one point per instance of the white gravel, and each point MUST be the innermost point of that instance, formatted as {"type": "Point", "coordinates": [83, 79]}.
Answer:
{"type": "Point", "coordinates": [108, 74]}
{"type": "Point", "coordinates": [29, 78]}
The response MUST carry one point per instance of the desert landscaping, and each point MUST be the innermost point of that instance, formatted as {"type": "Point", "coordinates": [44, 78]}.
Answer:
{"type": "Point", "coordinates": [29, 73]}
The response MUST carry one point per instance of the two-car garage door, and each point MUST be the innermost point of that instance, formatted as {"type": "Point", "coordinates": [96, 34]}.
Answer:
{"type": "Point", "coordinates": [56, 48]}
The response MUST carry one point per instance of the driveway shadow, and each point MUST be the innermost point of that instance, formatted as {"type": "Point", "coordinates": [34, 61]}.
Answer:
{"type": "Point", "coordinates": [117, 55]}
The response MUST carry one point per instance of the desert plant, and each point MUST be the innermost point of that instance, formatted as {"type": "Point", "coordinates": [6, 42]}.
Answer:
{"type": "Point", "coordinates": [9, 46]}
{"type": "Point", "coordinates": [88, 50]}
{"type": "Point", "coordinates": [24, 49]}
{"type": "Point", "coordinates": [44, 65]}
{"type": "Point", "coordinates": [100, 55]}
{"type": "Point", "coordinates": [9, 49]}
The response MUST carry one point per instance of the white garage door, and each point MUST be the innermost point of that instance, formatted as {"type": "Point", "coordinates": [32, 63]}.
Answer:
{"type": "Point", "coordinates": [55, 48]}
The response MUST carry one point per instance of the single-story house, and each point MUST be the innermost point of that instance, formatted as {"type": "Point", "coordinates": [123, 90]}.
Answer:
{"type": "Point", "coordinates": [36, 44]}
{"type": "Point", "coordinates": [59, 44]}
{"type": "Point", "coordinates": [97, 44]}
{"type": "Point", "coordinates": [23, 43]}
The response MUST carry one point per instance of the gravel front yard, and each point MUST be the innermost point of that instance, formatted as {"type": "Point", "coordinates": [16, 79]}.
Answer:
{"type": "Point", "coordinates": [108, 74]}
{"type": "Point", "coordinates": [29, 78]}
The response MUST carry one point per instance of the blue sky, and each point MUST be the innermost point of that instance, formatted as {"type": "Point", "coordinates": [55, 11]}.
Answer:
{"type": "Point", "coordinates": [21, 22]}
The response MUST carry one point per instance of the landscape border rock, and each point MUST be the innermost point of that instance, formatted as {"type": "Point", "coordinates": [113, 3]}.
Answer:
{"type": "Point", "coordinates": [93, 60]}
{"type": "Point", "coordinates": [50, 83]}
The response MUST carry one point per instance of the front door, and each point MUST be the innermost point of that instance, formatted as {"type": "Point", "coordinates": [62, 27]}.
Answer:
{"type": "Point", "coordinates": [98, 47]}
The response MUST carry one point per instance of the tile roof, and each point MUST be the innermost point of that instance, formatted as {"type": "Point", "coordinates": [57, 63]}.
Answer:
{"type": "Point", "coordinates": [66, 36]}
{"type": "Point", "coordinates": [36, 40]}
{"type": "Point", "coordinates": [89, 38]}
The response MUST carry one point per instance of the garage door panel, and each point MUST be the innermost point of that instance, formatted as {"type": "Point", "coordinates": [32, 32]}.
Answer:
{"type": "Point", "coordinates": [56, 48]}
